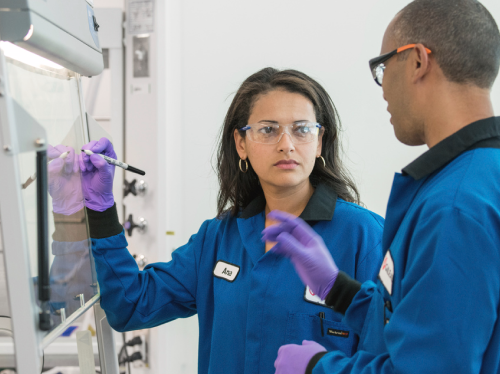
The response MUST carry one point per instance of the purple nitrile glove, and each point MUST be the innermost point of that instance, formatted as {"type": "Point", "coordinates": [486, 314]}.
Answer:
{"type": "Point", "coordinates": [305, 248]}
{"type": "Point", "coordinates": [294, 358]}
{"type": "Point", "coordinates": [97, 175]}
{"type": "Point", "coordinates": [64, 182]}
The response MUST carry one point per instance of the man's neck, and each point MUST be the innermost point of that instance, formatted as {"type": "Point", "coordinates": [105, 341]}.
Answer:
{"type": "Point", "coordinates": [455, 108]}
{"type": "Point", "coordinates": [292, 200]}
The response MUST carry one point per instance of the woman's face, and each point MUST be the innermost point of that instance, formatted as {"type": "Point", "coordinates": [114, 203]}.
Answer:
{"type": "Point", "coordinates": [285, 164]}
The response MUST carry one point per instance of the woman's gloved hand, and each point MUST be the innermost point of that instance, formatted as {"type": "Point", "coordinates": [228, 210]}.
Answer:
{"type": "Point", "coordinates": [294, 358]}
{"type": "Point", "coordinates": [305, 248]}
{"type": "Point", "coordinates": [97, 175]}
{"type": "Point", "coordinates": [64, 182]}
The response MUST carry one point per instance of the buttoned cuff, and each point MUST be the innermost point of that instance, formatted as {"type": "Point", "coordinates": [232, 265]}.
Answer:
{"type": "Point", "coordinates": [314, 361]}
{"type": "Point", "coordinates": [343, 291]}
{"type": "Point", "coordinates": [104, 224]}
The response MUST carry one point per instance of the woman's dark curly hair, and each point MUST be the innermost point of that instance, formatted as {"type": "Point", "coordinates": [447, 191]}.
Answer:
{"type": "Point", "coordinates": [238, 189]}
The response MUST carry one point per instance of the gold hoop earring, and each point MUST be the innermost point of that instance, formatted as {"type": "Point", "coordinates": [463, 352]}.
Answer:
{"type": "Point", "coordinates": [324, 163]}
{"type": "Point", "coordinates": [246, 166]}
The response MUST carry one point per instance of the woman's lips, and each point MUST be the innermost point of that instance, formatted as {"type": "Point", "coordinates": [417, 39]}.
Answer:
{"type": "Point", "coordinates": [287, 164]}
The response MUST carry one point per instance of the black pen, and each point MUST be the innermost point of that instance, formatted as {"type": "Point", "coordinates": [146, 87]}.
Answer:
{"type": "Point", "coordinates": [112, 161]}
{"type": "Point", "coordinates": [321, 318]}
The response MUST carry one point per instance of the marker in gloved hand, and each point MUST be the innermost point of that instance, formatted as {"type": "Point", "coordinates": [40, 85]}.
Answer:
{"type": "Point", "coordinates": [112, 161]}
{"type": "Point", "coordinates": [33, 177]}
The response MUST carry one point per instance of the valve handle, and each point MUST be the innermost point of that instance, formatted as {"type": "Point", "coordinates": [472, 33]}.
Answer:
{"type": "Point", "coordinates": [129, 187]}
{"type": "Point", "coordinates": [130, 225]}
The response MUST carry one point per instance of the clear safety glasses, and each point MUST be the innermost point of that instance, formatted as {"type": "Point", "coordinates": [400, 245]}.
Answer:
{"type": "Point", "coordinates": [271, 133]}
{"type": "Point", "coordinates": [377, 66]}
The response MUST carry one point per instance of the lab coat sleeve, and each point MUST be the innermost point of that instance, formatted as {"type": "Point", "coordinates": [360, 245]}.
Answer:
{"type": "Point", "coordinates": [357, 312]}
{"type": "Point", "coordinates": [449, 300]}
{"type": "Point", "coordinates": [368, 267]}
{"type": "Point", "coordinates": [134, 299]}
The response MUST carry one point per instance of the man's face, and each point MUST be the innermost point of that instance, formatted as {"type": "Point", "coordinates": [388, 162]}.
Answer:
{"type": "Point", "coordinates": [397, 92]}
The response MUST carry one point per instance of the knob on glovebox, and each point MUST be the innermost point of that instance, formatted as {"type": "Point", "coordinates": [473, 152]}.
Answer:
{"type": "Point", "coordinates": [135, 188]}
{"type": "Point", "coordinates": [130, 225]}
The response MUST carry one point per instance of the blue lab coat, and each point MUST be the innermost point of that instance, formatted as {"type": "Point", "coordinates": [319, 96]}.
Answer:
{"type": "Point", "coordinates": [442, 232]}
{"type": "Point", "coordinates": [242, 322]}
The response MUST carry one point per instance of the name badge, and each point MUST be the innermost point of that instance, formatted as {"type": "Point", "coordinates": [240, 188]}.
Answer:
{"type": "Point", "coordinates": [225, 270]}
{"type": "Point", "coordinates": [311, 297]}
{"type": "Point", "coordinates": [386, 274]}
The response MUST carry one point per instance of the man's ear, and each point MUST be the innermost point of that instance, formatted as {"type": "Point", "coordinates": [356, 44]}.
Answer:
{"type": "Point", "coordinates": [240, 145]}
{"type": "Point", "coordinates": [420, 62]}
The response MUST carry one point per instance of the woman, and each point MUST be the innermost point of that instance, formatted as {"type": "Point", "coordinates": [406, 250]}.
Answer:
{"type": "Point", "coordinates": [279, 150]}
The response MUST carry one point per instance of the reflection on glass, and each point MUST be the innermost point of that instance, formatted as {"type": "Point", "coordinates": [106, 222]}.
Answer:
{"type": "Point", "coordinates": [52, 97]}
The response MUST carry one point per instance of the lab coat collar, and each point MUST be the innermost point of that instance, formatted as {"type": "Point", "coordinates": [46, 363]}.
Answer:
{"type": "Point", "coordinates": [321, 205]}
{"type": "Point", "coordinates": [251, 221]}
{"type": "Point", "coordinates": [481, 134]}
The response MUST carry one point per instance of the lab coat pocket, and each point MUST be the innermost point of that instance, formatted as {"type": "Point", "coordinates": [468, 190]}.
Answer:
{"type": "Point", "coordinates": [330, 334]}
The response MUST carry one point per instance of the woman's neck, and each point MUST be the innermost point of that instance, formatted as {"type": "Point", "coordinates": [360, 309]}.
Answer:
{"type": "Point", "coordinates": [292, 200]}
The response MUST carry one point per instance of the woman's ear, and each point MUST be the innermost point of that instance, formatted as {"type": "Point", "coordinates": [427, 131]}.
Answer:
{"type": "Point", "coordinates": [320, 144]}
{"type": "Point", "coordinates": [240, 145]}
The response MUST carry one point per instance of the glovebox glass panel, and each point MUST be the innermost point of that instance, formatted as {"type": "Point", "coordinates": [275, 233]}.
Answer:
{"type": "Point", "coordinates": [51, 95]}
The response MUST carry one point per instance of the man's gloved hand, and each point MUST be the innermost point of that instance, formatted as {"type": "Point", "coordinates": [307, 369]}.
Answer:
{"type": "Point", "coordinates": [293, 358]}
{"type": "Point", "coordinates": [305, 248]}
{"type": "Point", "coordinates": [64, 182]}
{"type": "Point", "coordinates": [97, 175]}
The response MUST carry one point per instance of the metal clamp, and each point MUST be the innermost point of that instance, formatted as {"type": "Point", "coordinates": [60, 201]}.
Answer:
{"type": "Point", "coordinates": [62, 312]}
{"type": "Point", "coordinates": [40, 142]}
{"type": "Point", "coordinates": [82, 299]}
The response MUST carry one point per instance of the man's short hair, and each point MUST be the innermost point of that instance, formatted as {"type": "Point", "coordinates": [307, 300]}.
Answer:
{"type": "Point", "coordinates": [462, 35]}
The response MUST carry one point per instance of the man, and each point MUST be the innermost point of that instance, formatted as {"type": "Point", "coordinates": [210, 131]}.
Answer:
{"type": "Point", "coordinates": [435, 307]}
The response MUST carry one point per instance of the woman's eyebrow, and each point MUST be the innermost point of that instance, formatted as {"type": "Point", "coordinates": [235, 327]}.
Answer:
{"type": "Point", "coordinates": [269, 121]}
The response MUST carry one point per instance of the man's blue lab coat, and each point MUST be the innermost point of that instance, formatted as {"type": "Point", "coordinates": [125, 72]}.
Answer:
{"type": "Point", "coordinates": [242, 322]}
{"type": "Point", "coordinates": [442, 232]}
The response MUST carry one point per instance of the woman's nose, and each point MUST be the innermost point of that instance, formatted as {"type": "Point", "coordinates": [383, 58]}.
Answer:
{"type": "Point", "coordinates": [285, 144]}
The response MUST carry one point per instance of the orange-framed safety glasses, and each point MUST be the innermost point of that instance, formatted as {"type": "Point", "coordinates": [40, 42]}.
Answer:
{"type": "Point", "coordinates": [377, 65]}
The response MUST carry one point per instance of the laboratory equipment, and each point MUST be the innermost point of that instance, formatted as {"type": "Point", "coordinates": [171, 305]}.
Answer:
{"type": "Point", "coordinates": [135, 188]}
{"type": "Point", "coordinates": [47, 277]}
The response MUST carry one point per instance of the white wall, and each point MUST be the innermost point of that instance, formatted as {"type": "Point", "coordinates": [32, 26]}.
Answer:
{"type": "Point", "coordinates": [224, 41]}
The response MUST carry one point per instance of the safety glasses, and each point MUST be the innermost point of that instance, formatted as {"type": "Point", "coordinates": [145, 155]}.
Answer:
{"type": "Point", "coordinates": [377, 66]}
{"type": "Point", "coordinates": [271, 133]}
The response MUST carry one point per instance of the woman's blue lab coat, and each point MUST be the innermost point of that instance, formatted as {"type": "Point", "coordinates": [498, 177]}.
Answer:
{"type": "Point", "coordinates": [243, 320]}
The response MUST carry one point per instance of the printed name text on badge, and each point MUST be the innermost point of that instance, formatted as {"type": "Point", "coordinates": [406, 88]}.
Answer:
{"type": "Point", "coordinates": [225, 270]}
{"type": "Point", "coordinates": [386, 274]}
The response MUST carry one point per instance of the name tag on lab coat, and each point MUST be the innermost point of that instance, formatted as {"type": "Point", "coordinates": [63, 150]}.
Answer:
{"type": "Point", "coordinates": [225, 270]}
{"type": "Point", "coordinates": [311, 297]}
{"type": "Point", "coordinates": [386, 274]}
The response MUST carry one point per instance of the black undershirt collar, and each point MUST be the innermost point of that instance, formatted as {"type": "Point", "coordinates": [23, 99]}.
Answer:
{"type": "Point", "coordinates": [320, 207]}
{"type": "Point", "coordinates": [481, 134]}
